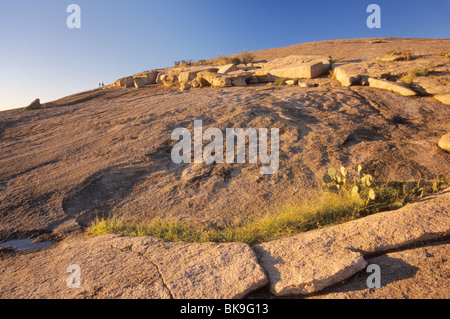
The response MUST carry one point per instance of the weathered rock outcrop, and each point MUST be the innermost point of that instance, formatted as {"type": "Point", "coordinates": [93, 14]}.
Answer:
{"type": "Point", "coordinates": [152, 77]}
{"type": "Point", "coordinates": [140, 82]}
{"type": "Point", "coordinates": [195, 83]}
{"type": "Point", "coordinates": [107, 153]}
{"type": "Point", "coordinates": [158, 77]}
{"type": "Point", "coordinates": [391, 86]}
{"type": "Point", "coordinates": [292, 67]}
{"type": "Point", "coordinates": [298, 266]}
{"type": "Point", "coordinates": [240, 78]}
{"type": "Point", "coordinates": [125, 82]}
{"type": "Point", "coordinates": [291, 82]}
{"type": "Point", "coordinates": [425, 75]}
{"type": "Point", "coordinates": [296, 60]}
{"type": "Point", "coordinates": [444, 142]}
{"type": "Point", "coordinates": [169, 79]}
{"type": "Point", "coordinates": [145, 267]}
{"type": "Point", "coordinates": [185, 86]}
{"type": "Point", "coordinates": [186, 76]}
{"type": "Point", "coordinates": [306, 71]}
{"type": "Point", "coordinates": [351, 74]}
{"type": "Point", "coordinates": [263, 77]}
{"type": "Point", "coordinates": [213, 79]}
{"type": "Point", "coordinates": [431, 85]}
{"type": "Point", "coordinates": [384, 73]}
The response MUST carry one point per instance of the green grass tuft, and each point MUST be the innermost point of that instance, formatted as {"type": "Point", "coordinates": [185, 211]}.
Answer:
{"type": "Point", "coordinates": [280, 81]}
{"type": "Point", "coordinates": [322, 209]}
{"type": "Point", "coordinates": [171, 231]}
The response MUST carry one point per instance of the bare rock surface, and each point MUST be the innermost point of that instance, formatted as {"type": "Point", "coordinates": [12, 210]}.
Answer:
{"type": "Point", "coordinates": [200, 270]}
{"type": "Point", "coordinates": [309, 262]}
{"type": "Point", "coordinates": [151, 76]}
{"type": "Point", "coordinates": [434, 86]}
{"type": "Point", "coordinates": [295, 66]}
{"type": "Point", "coordinates": [444, 142]}
{"type": "Point", "coordinates": [105, 273]}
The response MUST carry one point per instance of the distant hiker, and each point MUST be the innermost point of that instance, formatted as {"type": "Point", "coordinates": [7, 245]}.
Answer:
{"type": "Point", "coordinates": [103, 84]}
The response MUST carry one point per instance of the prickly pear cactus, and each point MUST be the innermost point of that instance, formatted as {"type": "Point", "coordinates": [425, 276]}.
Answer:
{"type": "Point", "coordinates": [338, 182]}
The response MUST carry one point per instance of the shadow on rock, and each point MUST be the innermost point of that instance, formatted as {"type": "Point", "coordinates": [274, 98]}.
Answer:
{"type": "Point", "coordinates": [391, 270]}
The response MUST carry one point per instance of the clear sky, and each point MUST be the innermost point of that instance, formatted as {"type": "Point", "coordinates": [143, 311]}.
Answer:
{"type": "Point", "coordinates": [40, 57]}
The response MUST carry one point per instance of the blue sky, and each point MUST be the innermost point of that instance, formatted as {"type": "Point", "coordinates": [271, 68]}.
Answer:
{"type": "Point", "coordinates": [41, 57]}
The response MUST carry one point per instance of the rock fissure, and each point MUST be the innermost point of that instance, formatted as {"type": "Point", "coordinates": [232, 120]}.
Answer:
{"type": "Point", "coordinates": [367, 101]}
{"type": "Point", "coordinates": [153, 263]}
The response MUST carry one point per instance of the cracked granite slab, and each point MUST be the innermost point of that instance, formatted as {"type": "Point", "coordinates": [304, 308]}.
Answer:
{"type": "Point", "coordinates": [200, 270]}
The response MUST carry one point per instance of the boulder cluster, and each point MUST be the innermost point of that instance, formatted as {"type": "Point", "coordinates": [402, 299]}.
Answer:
{"type": "Point", "coordinates": [428, 75]}
{"type": "Point", "coordinates": [293, 69]}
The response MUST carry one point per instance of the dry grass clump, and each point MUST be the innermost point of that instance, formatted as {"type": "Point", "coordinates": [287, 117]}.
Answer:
{"type": "Point", "coordinates": [404, 53]}
{"type": "Point", "coordinates": [441, 80]}
{"type": "Point", "coordinates": [244, 58]}
{"type": "Point", "coordinates": [183, 63]}
{"type": "Point", "coordinates": [409, 78]}
{"type": "Point", "coordinates": [444, 53]}
{"type": "Point", "coordinates": [228, 60]}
